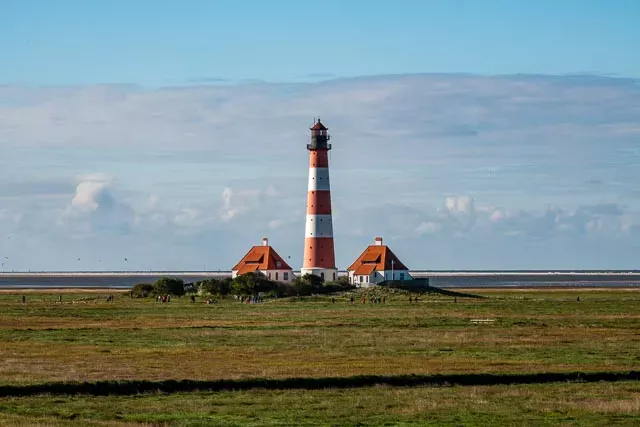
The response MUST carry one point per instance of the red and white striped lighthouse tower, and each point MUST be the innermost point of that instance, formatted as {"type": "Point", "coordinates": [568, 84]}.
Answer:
{"type": "Point", "coordinates": [319, 257]}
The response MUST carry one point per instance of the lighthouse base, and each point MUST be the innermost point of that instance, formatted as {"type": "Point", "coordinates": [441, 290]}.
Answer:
{"type": "Point", "coordinates": [326, 274]}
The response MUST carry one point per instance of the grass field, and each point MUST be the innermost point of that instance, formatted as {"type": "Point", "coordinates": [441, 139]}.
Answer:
{"type": "Point", "coordinates": [85, 338]}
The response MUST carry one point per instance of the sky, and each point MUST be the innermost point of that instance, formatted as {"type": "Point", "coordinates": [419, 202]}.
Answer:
{"type": "Point", "coordinates": [172, 42]}
{"type": "Point", "coordinates": [172, 135]}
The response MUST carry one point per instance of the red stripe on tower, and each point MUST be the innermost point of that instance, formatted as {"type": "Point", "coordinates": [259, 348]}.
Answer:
{"type": "Point", "coordinates": [319, 255]}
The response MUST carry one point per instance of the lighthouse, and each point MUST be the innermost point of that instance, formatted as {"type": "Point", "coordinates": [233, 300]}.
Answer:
{"type": "Point", "coordinates": [319, 256]}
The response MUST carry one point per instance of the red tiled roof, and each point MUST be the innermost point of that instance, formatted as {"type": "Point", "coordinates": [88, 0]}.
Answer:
{"type": "Point", "coordinates": [261, 258]}
{"type": "Point", "coordinates": [365, 269]}
{"type": "Point", "coordinates": [247, 268]}
{"type": "Point", "coordinates": [378, 256]}
{"type": "Point", "coordinates": [373, 256]}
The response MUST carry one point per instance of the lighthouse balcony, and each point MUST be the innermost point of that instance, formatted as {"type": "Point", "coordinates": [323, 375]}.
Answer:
{"type": "Point", "coordinates": [319, 146]}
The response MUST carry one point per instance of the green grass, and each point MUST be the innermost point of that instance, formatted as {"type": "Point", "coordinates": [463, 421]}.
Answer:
{"type": "Point", "coordinates": [545, 405]}
{"type": "Point", "coordinates": [84, 338]}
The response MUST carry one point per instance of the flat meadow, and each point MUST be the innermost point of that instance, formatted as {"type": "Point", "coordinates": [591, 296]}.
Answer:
{"type": "Point", "coordinates": [85, 338]}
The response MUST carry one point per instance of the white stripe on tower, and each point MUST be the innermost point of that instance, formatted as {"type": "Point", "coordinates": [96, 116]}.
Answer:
{"type": "Point", "coordinates": [319, 179]}
{"type": "Point", "coordinates": [319, 226]}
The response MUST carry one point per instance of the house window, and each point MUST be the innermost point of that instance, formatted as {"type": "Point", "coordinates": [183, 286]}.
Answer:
{"type": "Point", "coordinates": [322, 276]}
{"type": "Point", "coordinates": [334, 275]}
{"type": "Point", "coordinates": [401, 276]}
{"type": "Point", "coordinates": [269, 275]}
{"type": "Point", "coordinates": [285, 275]}
{"type": "Point", "coordinates": [361, 279]}
{"type": "Point", "coordinates": [276, 275]}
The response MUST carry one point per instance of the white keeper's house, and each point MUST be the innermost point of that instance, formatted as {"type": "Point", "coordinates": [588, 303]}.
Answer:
{"type": "Point", "coordinates": [375, 265]}
{"type": "Point", "coordinates": [264, 259]}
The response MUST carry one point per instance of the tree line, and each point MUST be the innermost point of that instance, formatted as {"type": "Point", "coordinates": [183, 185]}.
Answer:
{"type": "Point", "coordinates": [246, 284]}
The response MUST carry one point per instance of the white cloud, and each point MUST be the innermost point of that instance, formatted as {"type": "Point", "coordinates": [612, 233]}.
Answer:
{"type": "Point", "coordinates": [460, 205]}
{"type": "Point", "coordinates": [92, 193]}
{"type": "Point", "coordinates": [428, 227]}
{"type": "Point", "coordinates": [94, 209]}
{"type": "Point", "coordinates": [239, 202]}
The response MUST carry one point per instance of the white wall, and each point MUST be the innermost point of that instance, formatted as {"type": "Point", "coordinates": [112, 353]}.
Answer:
{"type": "Point", "coordinates": [362, 281]}
{"type": "Point", "coordinates": [377, 277]}
{"type": "Point", "coordinates": [271, 275]}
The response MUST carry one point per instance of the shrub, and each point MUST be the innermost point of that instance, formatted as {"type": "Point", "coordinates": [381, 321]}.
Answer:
{"type": "Point", "coordinates": [141, 290]}
{"type": "Point", "coordinates": [214, 286]}
{"type": "Point", "coordinates": [169, 285]}
{"type": "Point", "coordinates": [307, 285]}
{"type": "Point", "coordinates": [251, 284]}
{"type": "Point", "coordinates": [340, 285]}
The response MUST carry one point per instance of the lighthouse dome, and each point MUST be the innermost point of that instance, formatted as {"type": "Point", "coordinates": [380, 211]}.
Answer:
{"type": "Point", "coordinates": [319, 126]}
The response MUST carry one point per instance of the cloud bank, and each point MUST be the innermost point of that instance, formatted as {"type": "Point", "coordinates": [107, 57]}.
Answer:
{"type": "Point", "coordinates": [455, 171]}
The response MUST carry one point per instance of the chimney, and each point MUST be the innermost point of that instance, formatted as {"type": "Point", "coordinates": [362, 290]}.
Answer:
{"type": "Point", "coordinates": [265, 241]}
{"type": "Point", "coordinates": [378, 241]}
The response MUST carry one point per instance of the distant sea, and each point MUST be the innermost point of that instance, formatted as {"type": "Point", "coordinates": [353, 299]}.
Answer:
{"type": "Point", "coordinates": [444, 279]}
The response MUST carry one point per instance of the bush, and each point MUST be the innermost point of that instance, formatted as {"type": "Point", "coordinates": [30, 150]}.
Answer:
{"type": "Point", "coordinates": [252, 284]}
{"type": "Point", "coordinates": [340, 285]}
{"type": "Point", "coordinates": [169, 285]}
{"type": "Point", "coordinates": [214, 287]}
{"type": "Point", "coordinates": [141, 290]}
{"type": "Point", "coordinates": [307, 285]}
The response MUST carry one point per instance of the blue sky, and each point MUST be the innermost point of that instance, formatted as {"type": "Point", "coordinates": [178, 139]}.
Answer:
{"type": "Point", "coordinates": [470, 135]}
{"type": "Point", "coordinates": [176, 42]}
